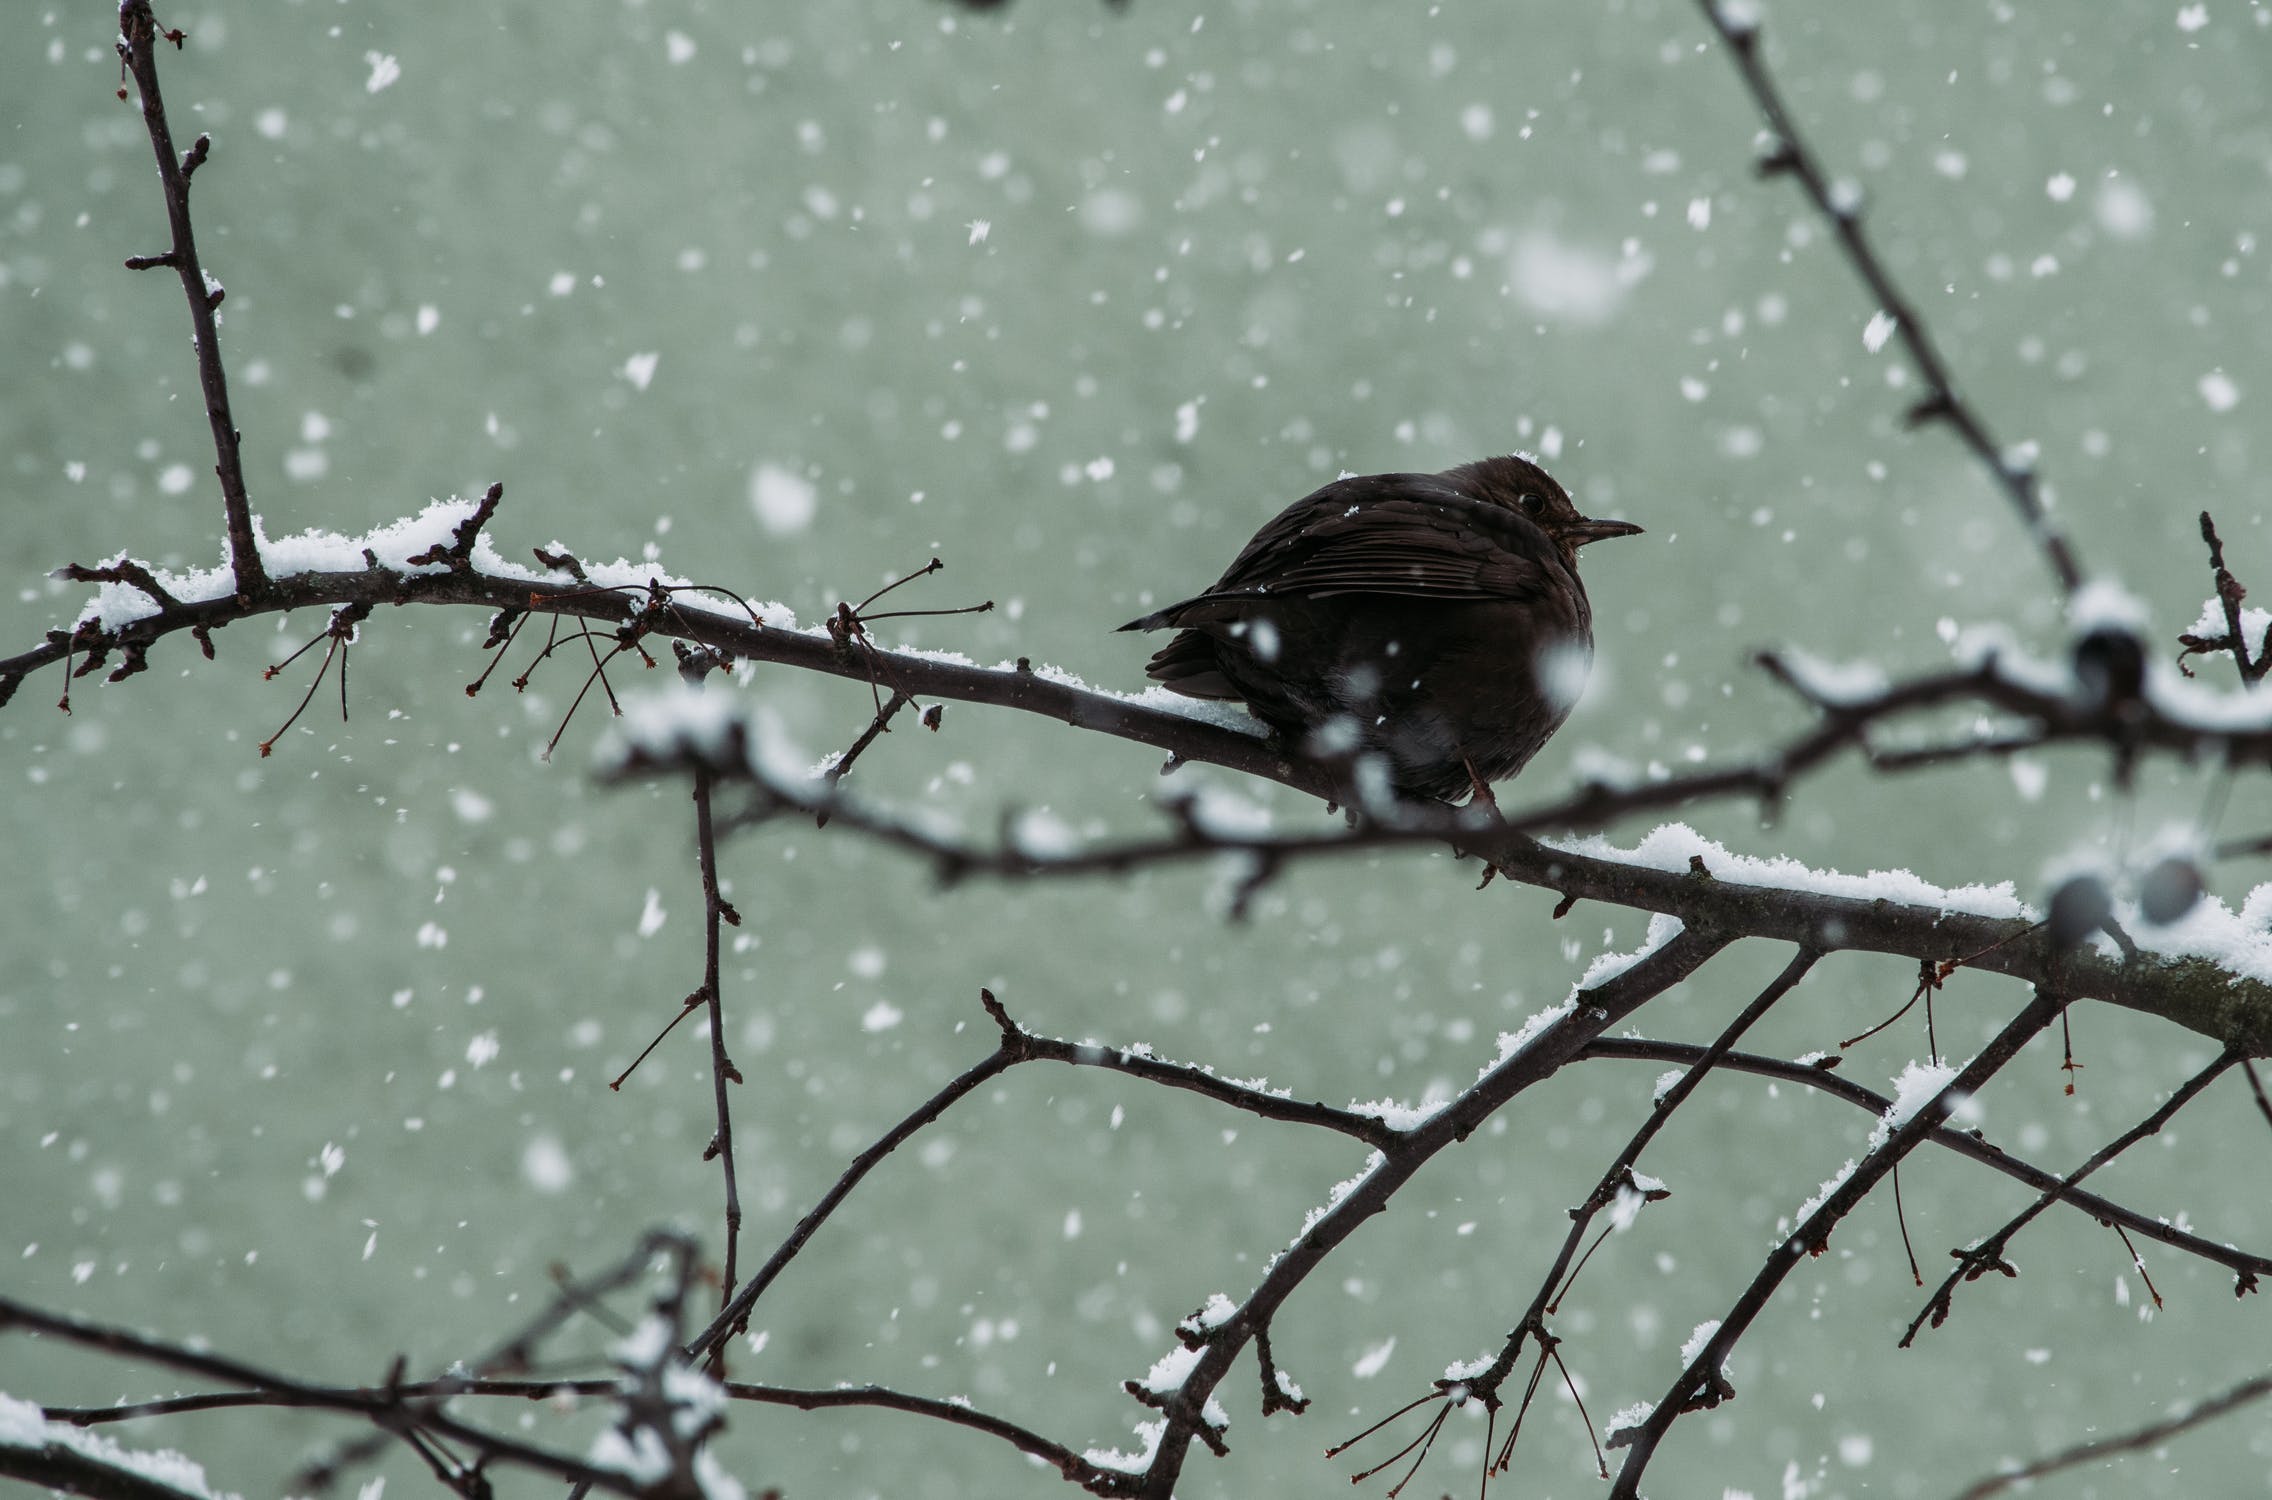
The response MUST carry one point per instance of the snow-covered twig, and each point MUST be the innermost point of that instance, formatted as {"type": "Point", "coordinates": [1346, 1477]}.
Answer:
{"type": "Point", "coordinates": [1702, 1382]}
{"type": "Point", "coordinates": [1987, 1255]}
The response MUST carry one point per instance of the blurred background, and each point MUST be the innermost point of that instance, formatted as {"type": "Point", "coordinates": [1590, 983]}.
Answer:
{"type": "Point", "coordinates": [307, 1057]}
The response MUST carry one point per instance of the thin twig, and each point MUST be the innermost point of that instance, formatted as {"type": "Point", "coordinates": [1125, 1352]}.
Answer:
{"type": "Point", "coordinates": [378, 1406]}
{"type": "Point", "coordinates": [2138, 1440]}
{"type": "Point", "coordinates": [1703, 1383]}
{"type": "Point", "coordinates": [138, 37]}
{"type": "Point", "coordinates": [1840, 205]}
{"type": "Point", "coordinates": [716, 912]}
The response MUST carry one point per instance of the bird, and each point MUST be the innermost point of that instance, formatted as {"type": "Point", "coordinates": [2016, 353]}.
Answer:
{"type": "Point", "coordinates": [1432, 626]}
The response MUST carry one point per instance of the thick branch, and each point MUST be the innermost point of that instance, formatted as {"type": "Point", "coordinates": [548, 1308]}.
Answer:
{"type": "Point", "coordinates": [1618, 1175]}
{"type": "Point", "coordinates": [1593, 1012]}
{"type": "Point", "coordinates": [62, 1469]}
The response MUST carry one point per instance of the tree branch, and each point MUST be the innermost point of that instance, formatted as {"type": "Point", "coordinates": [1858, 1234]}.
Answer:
{"type": "Point", "coordinates": [138, 37]}
{"type": "Point", "coordinates": [2138, 1440]}
{"type": "Point", "coordinates": [1840, 204]}
{"type": "Point", "coordinates": [1703, 1383]}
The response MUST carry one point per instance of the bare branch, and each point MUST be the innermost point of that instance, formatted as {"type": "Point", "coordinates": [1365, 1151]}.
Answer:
{"type": "Point", "coordinates": [2195, 993]}
{"type": "Point", "coordinates": [1589, 1014]}
{"type": "Point", "coordinates": [1840, 205]}
{"type": "Point", "coordinates": [380, 1406]}
{"type": "Point", "coordinates": [715, 911]}
{"type": "Point", "coordinates": [1970, 1144]}
{"type": "Point", "coordinates": [1988, 1254]}
{"type": "Point", "coordinates": [138, 37]}
{"type": "Point", "coordinates": [1703, 1383]}
{"type": "Point", "coordinates": [2138, 1440]}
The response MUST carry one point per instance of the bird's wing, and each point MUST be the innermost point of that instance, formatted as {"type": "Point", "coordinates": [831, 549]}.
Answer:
{"type": "Point", "coordinates": [1405, 534]}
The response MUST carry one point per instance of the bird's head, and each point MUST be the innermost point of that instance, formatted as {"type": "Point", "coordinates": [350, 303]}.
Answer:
{"type": "Point", "coordinates": [1529, 491]}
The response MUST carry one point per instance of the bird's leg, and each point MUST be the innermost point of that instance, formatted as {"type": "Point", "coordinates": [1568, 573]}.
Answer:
{"type": "Point", "coordinates": [1482, 797]}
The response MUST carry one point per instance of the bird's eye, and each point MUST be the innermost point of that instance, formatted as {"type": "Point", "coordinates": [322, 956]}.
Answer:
{"type": "Point", "coordinates": [1532, 504]}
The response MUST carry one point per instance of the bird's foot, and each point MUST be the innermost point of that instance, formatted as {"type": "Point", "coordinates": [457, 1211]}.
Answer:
{"type": "Point", "coordinates": [1482, 799]}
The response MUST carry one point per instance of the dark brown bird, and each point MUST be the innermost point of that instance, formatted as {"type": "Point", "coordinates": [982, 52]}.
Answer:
{"type": "Point", "coordinates": [1434, 621]}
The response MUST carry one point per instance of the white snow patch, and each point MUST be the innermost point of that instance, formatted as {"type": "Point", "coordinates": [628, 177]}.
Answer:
{"type": "Point", "coordinates": [639, 1457]}
{"type": "Point", "coordinates": [1629, 1417]}
{"type": "Point", "coordinates": [645, 1346]}
{"type": "Point", "coordinates": [1468, 1369]}
{"type": "Point", "coordinates": [1042, 835]}
{"type": "Point", "coordinates": [25, 1426]}
{"type": "Point", "coordinates": [1340, 1191]}
{"type": "Point", "coordinates": [2211, 623]}
{"type": "Point", "coordinates": [1841, 684]}
{"type": "Point", "coordinates": [1170, 1370]}
{"type": "Point", "coordinates": [1631, 1198]}
{"type": "Point", "coordinates": [1149, 1433]}
{"type": "Point", "coordinates": [393, 544]}
{"type": "Point", "coordinates": [681, 720]}
{"type": "Point", "coordinates": [1512, 1042]}
{"type": "Point", "coordinates": [1919, 1085]}
{"type": "Point", "coordinates": [1218, 1310]}
{"type": "Point", "coordinates": [2102, 604]}
{"type": "Point", "coordinates": [1670, 846]}
{"type": "Point", "coordinates": [1223, 814]}
{"type": "Point", "coordinates": [1397, 1115]}
{"type": "Point", "coordinates": [1374, 1360]}
{"type": "Point", "coordinates": [1830, 1184]}
{"type": "Point", "coordinates": [1663, 928]}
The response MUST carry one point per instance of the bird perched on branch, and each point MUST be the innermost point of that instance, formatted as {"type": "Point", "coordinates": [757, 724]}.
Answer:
{"type": "Point", "coordinates": [1434, 623]}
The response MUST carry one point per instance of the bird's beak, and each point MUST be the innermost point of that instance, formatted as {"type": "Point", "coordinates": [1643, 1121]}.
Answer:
{"type": "Point", "coordinates": [1581, 532]}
